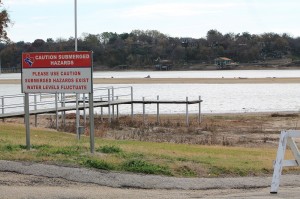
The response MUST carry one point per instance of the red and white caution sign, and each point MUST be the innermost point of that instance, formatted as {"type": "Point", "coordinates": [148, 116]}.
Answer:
{"type": "Point", "coordinates": [57, 72]}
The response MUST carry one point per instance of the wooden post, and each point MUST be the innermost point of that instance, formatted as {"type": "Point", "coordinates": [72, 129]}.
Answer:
{"type": "Point", "coordinates": [187, 111]}
{"type": "Point", "coordinates": [131, 90]}
{"type": "Point", "coordinates": [199, 116]}
{"type": "Point", "coordinates": [157, 111]}
{"type": "Point", "coordinates": [108, 101]}
{"type": "Point", "coordinates": [113, 106]}
{"type": "Point", "coordinates": [144, 110]}
{"type": "Point", "coordinates": [101, 110]}
{"type": "Point", "coordinates": [117, 109]}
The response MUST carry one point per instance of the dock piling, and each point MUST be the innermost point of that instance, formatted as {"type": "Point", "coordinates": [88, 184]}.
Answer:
{"type": "Point", "coordinates": [144, 120]}
{"type": "Point", "coordinates": [157, 110]}
{"type": "Point", "coordinates": [187, 111]}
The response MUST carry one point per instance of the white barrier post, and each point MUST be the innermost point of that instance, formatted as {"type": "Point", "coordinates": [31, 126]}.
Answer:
{"type": "Point", "coordinates": [286, 139]}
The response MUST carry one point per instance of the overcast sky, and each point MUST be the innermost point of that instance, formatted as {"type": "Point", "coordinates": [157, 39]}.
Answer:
{"type": "Point", "coordinates": [42, 19]}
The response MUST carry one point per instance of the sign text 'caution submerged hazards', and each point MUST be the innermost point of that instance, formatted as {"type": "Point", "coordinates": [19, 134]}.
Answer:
{"type": "Point", "coordinates": [57, 72]}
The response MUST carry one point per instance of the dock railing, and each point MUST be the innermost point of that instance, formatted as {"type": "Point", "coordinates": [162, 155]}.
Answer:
{"type": "Point", "coordinates": [13, 105]}
{"type": "Point", "coordinates": [109, 97]}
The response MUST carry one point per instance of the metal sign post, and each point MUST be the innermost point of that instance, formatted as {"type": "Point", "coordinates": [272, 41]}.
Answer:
{"type": "Point", "coordinates": [27, 122]}
{"type": "Point", "coordinates": [57, 72]}
{"type": "Point", "coordinates": [91, 113]}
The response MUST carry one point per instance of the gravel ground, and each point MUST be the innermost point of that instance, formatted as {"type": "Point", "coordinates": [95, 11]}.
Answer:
{"type": "Point", "coordinates": [31, 180]}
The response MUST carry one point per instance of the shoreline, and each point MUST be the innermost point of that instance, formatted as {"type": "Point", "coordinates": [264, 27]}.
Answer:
{"type": "Point", "coordinates": [240, 80]}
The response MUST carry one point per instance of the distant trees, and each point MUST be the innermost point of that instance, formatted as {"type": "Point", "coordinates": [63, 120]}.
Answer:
{"type": "Point", "coordinates": [4, 22]}
{"type": "Point", "coordinates": [141, 48]}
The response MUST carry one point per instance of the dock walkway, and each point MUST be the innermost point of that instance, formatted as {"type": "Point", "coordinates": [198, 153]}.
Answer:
{"type": "Point", "coordinates": [108, 98]}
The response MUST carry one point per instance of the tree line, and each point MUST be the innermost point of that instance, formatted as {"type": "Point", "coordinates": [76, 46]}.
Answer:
{"type": "Point", "coordinates": [140, 49]}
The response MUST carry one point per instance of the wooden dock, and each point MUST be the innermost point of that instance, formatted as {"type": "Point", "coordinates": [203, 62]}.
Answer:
{"type": "Point", "coordinates": [106, 97]}
{"type": "Point", "coordinates": [96, 104]}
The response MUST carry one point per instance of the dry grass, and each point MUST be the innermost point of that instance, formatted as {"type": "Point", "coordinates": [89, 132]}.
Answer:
{"type": "Point", "coordinates": [246, 130]}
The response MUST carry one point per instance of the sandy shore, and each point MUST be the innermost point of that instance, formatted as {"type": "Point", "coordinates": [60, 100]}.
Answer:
{"type": "Point", "coordinates": [240, 80]}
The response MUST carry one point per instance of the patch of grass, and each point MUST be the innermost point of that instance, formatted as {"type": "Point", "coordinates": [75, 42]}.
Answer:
{"type": "Point", "coordinates": [141, 166]}
{"type": "Point", "coordinates": [68, 150]}
{"type": "Point", "coordinates": [46, 150]}
{"type": "Point", "coordinates": [109, 149]}
{"type": "Point", "coordinates": [131, 155]}
{"type": "Point", "coordinates": [98, 164]}
{"type": "Point", "coordinates": [10, 148]}
{"type": "Point", "coordinates": [40, 147]}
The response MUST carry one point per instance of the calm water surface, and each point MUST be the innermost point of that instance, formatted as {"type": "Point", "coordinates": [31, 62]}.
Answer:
{"type": "Point", "coordinates": [185, 74]}
{"type": "Point", "coordinates": [217, 98]}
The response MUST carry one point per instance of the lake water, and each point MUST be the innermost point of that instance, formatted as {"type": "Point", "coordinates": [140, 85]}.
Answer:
{"type": "Point", "coordinates": [217, 98]}
{"type": "Point", "coordinates": [185, 74]}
